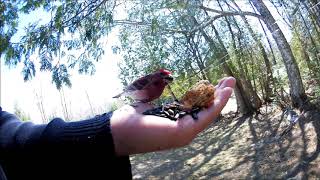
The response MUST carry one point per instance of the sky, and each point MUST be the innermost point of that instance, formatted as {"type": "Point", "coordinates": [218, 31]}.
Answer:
{"type": "Point", "coordinates": [100, 88]}
{"type": "Point", "coordinates": [97, 89]}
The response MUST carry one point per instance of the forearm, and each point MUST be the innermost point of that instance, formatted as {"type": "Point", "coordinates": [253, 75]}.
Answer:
{"type": "Point", "coordinates": [92, 133]}
{"type": "Point", "coordinates": [60, 149]}
{"type": "Point", "coordinates": [20, 137]}
{"type": "Point", "coordinates": [15, 134]}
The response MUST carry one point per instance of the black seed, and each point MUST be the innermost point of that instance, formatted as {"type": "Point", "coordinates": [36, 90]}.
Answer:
{"type": "Point", "coordinates": [194, 115]}
{"type": "Point", "coordinates": [170, 111]}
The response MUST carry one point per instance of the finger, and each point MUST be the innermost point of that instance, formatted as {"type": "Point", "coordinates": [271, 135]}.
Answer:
{"type": "Point", "coordinates": [208, 115]}
{"type": "Point", "coordinates": [220, 82]}
{"type": "Point", "coordinates": [223, 80]}
{"type": "Point", "coordinates": [221, 100]}
{"type": "Point", "coordinates": [227, 82]}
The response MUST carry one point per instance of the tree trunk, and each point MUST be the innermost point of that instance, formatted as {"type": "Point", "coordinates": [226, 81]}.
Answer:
{"type": "Point", "coordinates": [243, 98]}
{"type": "Point", "coordinates": [315, 9]}
{"type": "Point", "coordinates": [251, 94]}
{"type": "Point", "coordinates": [243, 78]}
{"type": "Point", "coordinates": [193, 49]}
{"type": "Point", "coordinates": [275, 80]}
{"type": "Point", "coordinates": [314, 49]}
{"type": "Point", "coordinates": [269, 77]}
{"type": "Point", "coordinates": [312, 69]}
{"type": "Point", "coordinates": [297, 93]}
{"type": "Point", "coordinates": [314, 19]}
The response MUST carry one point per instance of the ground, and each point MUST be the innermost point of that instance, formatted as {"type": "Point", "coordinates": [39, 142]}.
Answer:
{"type": "Point", "coordinates": [241, 147]}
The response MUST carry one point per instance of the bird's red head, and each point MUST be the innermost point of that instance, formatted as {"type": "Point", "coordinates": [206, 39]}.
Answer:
{"type": "Point", "coordinates": [165, 75]}
{"type": "Point", "coordinates": [165, 72]}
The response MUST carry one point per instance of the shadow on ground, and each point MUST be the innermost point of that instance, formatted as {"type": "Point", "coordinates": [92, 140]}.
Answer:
{"type": "Point", "coordinates": [241, 147]}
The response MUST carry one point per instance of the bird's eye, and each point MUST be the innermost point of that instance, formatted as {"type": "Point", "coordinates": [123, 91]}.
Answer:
{"type": "Point", "coordinates": [162, 74]}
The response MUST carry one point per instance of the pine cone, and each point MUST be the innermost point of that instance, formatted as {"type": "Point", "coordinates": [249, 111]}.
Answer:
{"type": "Point", "coordinates": [200, 95]}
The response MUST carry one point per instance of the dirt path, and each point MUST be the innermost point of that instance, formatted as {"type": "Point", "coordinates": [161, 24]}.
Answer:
{"type": "Point", "coordinates": [242, 147]}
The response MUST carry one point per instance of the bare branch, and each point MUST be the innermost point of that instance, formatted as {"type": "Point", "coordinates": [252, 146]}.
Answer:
{"type": "Point", "coordinates": [232, 13]}
{"type": "Point", "coordinates": [129, 22]}
{"type": "Point", "coordinates": [221, 14]}
{"type": "Point", "coordinates": [201, 26]}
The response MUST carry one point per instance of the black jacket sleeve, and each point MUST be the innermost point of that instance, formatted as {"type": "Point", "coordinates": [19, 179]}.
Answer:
{"type": "Point", "coordinates": [78, 149]}
{"type": "Point", "coordinates": [16, 135]}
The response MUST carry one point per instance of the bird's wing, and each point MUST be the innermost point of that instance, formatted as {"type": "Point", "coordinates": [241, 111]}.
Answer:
{"type": "Point", "coordinates": [140, 83]}
{"type": "Point", "coordinates": [137, 85]}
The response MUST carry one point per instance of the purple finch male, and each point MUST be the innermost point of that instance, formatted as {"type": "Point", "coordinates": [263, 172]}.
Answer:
{"type": "Point", "coordinates": [149, 87]}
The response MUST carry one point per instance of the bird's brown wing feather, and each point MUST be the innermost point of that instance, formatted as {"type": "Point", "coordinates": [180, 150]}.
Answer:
{"type": "Point", "coordinates": [140, 83]}
{"type": "Point", "coordinates": [137, 85]}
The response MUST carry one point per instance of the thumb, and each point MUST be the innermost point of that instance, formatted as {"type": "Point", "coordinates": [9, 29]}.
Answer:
{"type": "Point", "coordinates": [223, 94]}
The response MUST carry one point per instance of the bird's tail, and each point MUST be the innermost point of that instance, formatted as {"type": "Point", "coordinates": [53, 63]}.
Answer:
{"type": "Point", "coordinates": [117, 96]}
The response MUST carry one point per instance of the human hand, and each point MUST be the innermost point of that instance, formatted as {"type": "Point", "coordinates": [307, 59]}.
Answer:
{"type": "Point", "coordinates": [134, 132]}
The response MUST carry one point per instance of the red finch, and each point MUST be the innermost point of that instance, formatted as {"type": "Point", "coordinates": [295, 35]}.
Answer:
{"type": "Point", "coordinates": [149, 87]}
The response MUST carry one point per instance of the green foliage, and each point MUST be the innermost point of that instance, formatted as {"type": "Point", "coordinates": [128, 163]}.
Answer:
{"type": "Point", "coordinates": [84, 22]}
{"type": "Point", "coordinates": [8, 27]}
{"type": "Point", "coordinates": [60, 76]}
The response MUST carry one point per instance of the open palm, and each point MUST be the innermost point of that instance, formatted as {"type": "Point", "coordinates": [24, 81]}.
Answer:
{"type": "Point", "coordinates": [136, 133]}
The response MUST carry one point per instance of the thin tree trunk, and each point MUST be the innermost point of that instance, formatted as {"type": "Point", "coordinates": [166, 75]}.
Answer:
{"type": "Point", "coordinates": [275, 80]}
{"type": "Point", "coordinates": [315, 9]}
{"type": "Point", "coordinates": [315, 52]}
{"type": "Point", "coordinates": [197, 57]}
{"type": "Point", "coordinates": [90, 104]}
{"type": "Point", "coordinates": [268, 39]}
{"type": "Point", "coordinates": [64, 105]}
{"type": "Point", "coordinates": [243, 102]}
{"type": "Point", "coordinates": [242, 96]}
{"type": "Point", "coordinates": [269, 75]}
{"type": "Point", "coordinates": [313, 17]}
{"type": "Point", "coordinates": [244, 81]}
{"type": "Point", "coordinates": [297, 93]}
{"type": "Point", "coordinates": [252, 95]}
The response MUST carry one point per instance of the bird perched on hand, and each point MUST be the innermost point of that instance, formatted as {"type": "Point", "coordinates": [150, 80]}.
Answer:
{"type": "Point", "coordinates": [149, 87]}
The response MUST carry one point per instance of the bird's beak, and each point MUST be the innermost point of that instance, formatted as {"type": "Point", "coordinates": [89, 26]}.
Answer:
{"type": "Point", "coordinates": [168, 78]}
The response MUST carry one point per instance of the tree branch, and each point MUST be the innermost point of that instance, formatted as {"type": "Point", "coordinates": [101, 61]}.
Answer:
{"type": "Point", "coordinates": [129, 22]}
{"type": "Point", "coordinates": [221, 14]}
{"type": "Point", "coordinates": [231, 13]}
{"type": "Point", "coordinates": [203, 25]}
{"type": "Point", "coordinates": [141, 23]}
{"type": "Point", "coordinates": [82, 10]}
